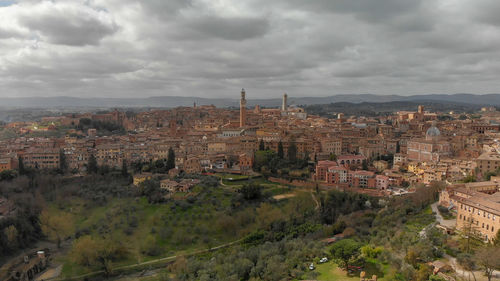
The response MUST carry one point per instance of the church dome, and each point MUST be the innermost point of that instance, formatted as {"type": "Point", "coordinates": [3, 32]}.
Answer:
{"type": "Point", "coordinates": [433, 132]}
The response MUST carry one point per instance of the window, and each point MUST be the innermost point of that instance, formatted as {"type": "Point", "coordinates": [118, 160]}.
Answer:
{"type": "Point", "coordinates": [487, 226]}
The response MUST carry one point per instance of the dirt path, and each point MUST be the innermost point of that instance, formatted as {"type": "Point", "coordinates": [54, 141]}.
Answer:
{"type": "Point", "coordinates": [284, 196]}
{"type": "Point", "coordinates": [315, 200]}
{"type": "Point", "coordinates": [51, 273]}
{"type": "Point", "coordinates": [165, 259]}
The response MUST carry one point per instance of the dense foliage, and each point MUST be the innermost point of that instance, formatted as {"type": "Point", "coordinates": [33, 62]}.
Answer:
{"type": "Point", "coordinates": [102, 127]}
{"type": "Point", "coordinates": [22, 227]}
{"type": "Point", "coordinates": [286, 259]}
{"type": "Point", "coordinates": [337, 203]}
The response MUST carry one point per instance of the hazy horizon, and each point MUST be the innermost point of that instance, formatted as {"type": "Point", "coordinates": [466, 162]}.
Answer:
{"type": "Point", "coordinates": [236, 96]}
{"type": "Point", "coordinates": [210, 49]}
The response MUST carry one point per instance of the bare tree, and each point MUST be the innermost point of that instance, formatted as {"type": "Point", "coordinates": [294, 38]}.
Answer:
{"type": "Point", "coordinates": [488, 258]}
{"type": "Point", "coordinates": [470, 230]}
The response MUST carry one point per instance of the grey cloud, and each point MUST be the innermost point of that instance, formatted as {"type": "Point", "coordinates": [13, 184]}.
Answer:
{"type": "Point", "coordinates": [486, 11]}
{"type": "Point", "coordinates": [165, 8]}
{"type": "Point", "coordinates": [230, 28]}
{"type": "Point", "coordinates": [73, 27]}
{"type": "Point", "coordinates": [372, 11]}
{"type": "Point", "coordinates": [213, 48]}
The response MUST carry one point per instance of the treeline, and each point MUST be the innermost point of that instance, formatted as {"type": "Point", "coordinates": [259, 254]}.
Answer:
{"type": "Point", "coordinates": [284, 246]}
{"type": "Point", "coordinates": [159, 166]}
{"type": "Point", "coordinates": [374, 109]}
{"type": "Point", "coordinates": [337, 203]}
{"type": "Point", "coordinates": [100, 126]}
{"type": "Point", "coordinates": [283, 260]}
{"type": "Point", "coordinates": [21, 228]}
{"type": "Point", "coordinates": [272, 163]}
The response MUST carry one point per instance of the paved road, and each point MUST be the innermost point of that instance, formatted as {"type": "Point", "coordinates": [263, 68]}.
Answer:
{"type": "Point", "coordinates": [440, 219]}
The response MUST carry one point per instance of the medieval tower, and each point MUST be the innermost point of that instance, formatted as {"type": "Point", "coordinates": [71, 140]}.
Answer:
{"type": "Point", "coordinates": [284, 105]}
{"type": "Point", "coordinates": [243, 109]}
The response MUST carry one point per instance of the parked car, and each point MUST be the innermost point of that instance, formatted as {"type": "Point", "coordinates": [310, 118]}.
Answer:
{"type": "Point", "coordinates": [311, 266]}
{"type": "Point", "coordinates": [323, 260]}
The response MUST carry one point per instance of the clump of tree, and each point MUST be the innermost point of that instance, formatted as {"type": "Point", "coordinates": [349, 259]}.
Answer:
{"type": "Point", "coordinates": [56, 227]}
{"type": "Point", "coordinates": [7, 175]}
{"type": "Point", "coordinates": [152, 190]}
{"type": "Point", "coordinates": [338, 203]}
{"type": "Point", "coordinates": [21, 228]}
{"type": "Point", "coordinates": [159, 166]}
{"type": "Point", "coordinates": [251, 191]}
{"type": "Point", "coordinates": [345, 252]}
{"type": "Point", "coordinates": [102, 127]}
{"type": "Point", "coordinates": [98, 252]}
{"type": "Point", "coordinates": [272, 163]}
{"type": "Point", "coordinates": [283, 260]}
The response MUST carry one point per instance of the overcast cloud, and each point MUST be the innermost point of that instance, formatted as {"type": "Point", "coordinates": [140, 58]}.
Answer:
{"type": "Point", "coordinates": [212, 48]}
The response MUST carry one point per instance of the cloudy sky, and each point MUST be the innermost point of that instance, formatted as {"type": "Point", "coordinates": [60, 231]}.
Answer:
{"type": "Point", "coordinates": [212, 48]}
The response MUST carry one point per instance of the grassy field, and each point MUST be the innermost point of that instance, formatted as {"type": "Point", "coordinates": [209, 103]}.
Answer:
{"type": "Point", "coordinates": [173, 227]}
{"type": "Point", "coordinates": [204, 219]}
{"type": "Point", "coordinates": [330, 271]}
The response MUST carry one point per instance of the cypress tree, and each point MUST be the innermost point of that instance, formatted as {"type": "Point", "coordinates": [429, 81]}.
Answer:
{"type": "Point", "coordinates": [22, 170]}
{"type": "Point", "coordinates": [170, 159]}
{"type": "Point", "coordinates": [281, 154]}
{"type": "Point", "coordinates": [92, 165]}
{"type": "Point", "coordinates": [364, 165]}
{"type": "Point", "coordinates": [63, 165]}
{"type": "Point", "coordinates": [124, 168]}
{"type": "Point", "coordinates": [261, 145]}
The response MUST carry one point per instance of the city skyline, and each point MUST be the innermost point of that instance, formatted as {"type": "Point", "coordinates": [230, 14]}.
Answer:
{"type": "Point", "coordinates": [109, 48]}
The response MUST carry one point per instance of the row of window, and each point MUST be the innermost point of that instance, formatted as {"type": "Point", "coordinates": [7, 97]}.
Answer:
{"type": "Point", "coordinates": [43, 157]}
{"type": "Point", "coordinates": [472, 210]}
{"type": "Point", "coordinates": [477, 223]}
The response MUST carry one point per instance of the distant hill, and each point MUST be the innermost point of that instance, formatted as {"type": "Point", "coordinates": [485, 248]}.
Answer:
{"type": "Point", "coordinates": [174, 101]}
{"type": "Point", "coordinates": [372, 109]}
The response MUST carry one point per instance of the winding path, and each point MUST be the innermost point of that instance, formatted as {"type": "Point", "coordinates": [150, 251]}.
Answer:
{"type": "Point", "coordinates": [170, 258]}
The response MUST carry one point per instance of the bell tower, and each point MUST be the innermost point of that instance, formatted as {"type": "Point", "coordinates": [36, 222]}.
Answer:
{"type": "Point", "coordinates": [243, 109]}
{"type": "Point", "coordinates": [284, 105]}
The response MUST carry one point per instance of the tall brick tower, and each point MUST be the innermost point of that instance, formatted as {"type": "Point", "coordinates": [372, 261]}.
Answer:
{"type": "Point", "coordinates": [243, 109]}
{"type": "Point", "coordinates": [284, 105]}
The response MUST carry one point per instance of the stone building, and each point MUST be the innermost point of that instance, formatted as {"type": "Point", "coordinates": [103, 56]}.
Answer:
{"type": "Point", "coordinates": [430, 149]}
